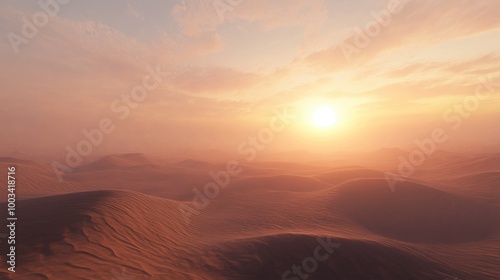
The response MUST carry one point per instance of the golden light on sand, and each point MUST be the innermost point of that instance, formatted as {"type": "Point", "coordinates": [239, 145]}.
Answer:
{"type": "Point", "coordinates": [324, 117]}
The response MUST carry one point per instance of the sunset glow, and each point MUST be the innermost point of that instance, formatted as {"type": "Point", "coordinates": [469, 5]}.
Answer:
{"type": "Point", "coordinates": [158, 71]}
{"type": "Point", "coordinates": [324, 117]}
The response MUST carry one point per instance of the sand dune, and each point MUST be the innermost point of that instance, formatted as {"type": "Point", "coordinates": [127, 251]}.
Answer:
{"type": "Point", "coordinates": [98, 233]}
{"type": "Point", "coordinates": [35, 180]}
{"type": "Point", "coordinates": [345, 174]}
{"type": "Point", "coordinates": [119, 218]}
{"type": "Point", "coordinates": [480, 178]}
{"type": "Point", "coordinates": [30, 165]}
{"type": "Point", "coordinates": [191, 163]}
{"type": "Point", "coordinates": [116, 161]}
{"type": "Point", "coordinates": [468, 165]}
{"type": "Point", "coordinates": [415, 212]}
{"type": "Point", "coordinates": [267, 257]}
{"type": "Point", "coordinates": [280, 182]}
{"type": "Point", "coordinates": [106, 234]}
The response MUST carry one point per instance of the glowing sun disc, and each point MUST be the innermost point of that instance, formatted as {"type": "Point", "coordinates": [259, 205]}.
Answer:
{"type": "Point", "coordinates": [324, 117]}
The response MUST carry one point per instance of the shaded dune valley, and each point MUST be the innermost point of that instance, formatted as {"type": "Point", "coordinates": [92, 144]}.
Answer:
{"type": "Point", "coordinates": [129, 216]}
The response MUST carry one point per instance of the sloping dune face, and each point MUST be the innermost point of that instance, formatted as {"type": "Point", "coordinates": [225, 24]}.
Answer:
{"type": "Point", "coordinates": [275, 256]}
{"type": "Point", "coordinates": [345, 174]}
{"type": "Point", "coordinates": [486, 178]}
{"type": "Point", "coordinates": [116, 161]}
{"type": "Point", "coordinates": [104, 235]}
{"type": "Point", "coordinates": [36, 180]}
{"type": "Point", "coordinates": [281, 182]}
{"type": "Point", "coordinates": [415, 212]}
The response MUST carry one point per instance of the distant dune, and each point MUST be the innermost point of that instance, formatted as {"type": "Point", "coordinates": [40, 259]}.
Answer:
{"type": "Point", "coordinates": [341, 175]}
{"type": "Point", "coordinates": [280, 182]}
{"type": "Point", "coordinates": [35, 180]}
{"type": "Point", "coordinates": [480, 178]}
{"type": "Point", "coordinates": [116, 161]}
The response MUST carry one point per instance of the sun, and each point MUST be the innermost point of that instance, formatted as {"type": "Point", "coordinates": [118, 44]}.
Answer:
{"type": "Point", "coordinates": [324, 117]}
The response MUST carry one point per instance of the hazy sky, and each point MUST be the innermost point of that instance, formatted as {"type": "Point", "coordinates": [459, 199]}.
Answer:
{"type": "Point", "coordinates": [227, 66]}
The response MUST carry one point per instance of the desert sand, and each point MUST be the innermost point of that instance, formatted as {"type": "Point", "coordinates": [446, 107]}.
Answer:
{"type": "Point", "coordinates": [119, 217]}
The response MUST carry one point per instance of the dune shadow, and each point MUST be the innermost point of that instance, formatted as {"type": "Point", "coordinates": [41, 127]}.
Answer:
{"type": "Point", "coordinates": [44, 221]}
{"type": "Point", "coordinates": [271, 256]}
{"type": "Point", "coordinates": [415, 213]}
